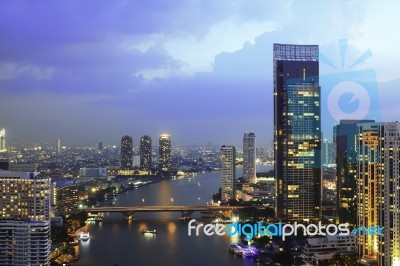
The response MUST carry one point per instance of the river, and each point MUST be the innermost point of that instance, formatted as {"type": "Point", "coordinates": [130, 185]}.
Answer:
{"type": "Point", "coordinates": [117, 241]}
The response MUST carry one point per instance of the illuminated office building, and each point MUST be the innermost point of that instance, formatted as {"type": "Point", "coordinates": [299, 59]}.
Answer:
{"type": "Point", "coordinates": [297, 132]}
{"type": "Point", "coordinates": [346, 169]}
{"type": "Point", "coordinates": [126, 153]}
{"type": "Point", "coordinates": [24, 219]}
{"type": "Point", "coordinates": [228, 172]}
{"type": "Point", "coordinates": [249, 157]}
{"type": "Point", "coordinates": [164, 153]}
{"type": "Point", "coordinates": [145, 152]}
{"type": "Point", "coordinates": [378, 190]}
{"type": "Point", "coordinates": [3, 140]}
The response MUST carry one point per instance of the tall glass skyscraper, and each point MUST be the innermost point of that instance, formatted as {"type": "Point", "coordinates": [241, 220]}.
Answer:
{"type": "Point", "coordinates": [346, 169]}
{"type": "Point", "coordinates": [164, 153]}
{"type": "Point", "coordinates": [145, 152]}
{"type": "Point", "coordinates": [249, 157]}
{"type": "Point", "coordinates": [126, 153]}
{"type": "Point", "coordinates": [228, 172]}
{"type": "Point", "coordinates": [297, 132]}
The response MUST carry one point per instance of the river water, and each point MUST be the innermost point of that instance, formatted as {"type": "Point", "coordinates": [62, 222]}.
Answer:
{"type": "Point", "coordinates": [117, 241]}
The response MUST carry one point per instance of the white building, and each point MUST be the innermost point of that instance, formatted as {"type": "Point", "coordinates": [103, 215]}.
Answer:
{"type": "Point", "coordinates": [24, 219]}
{"type": "Point", "coordinates": [228, 172]}
{"type": "Point", "coordinates": [92, 172]}
{"type": "Point", "coordinates": [3, 140]}
{"type": "Point", "coordinates": [378, 180]}
{"type": "Point", "coordinates": [24, 242]}
{"type": "Point", "coordinates": [249, 157]}
{"type": "Point", "coordinates": [328, 246]}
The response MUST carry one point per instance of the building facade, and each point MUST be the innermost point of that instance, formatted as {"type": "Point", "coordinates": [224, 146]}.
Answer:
{"type": "Point", "coordinates": [24, 219]}
{"type": "Point", "coordinates": [249, 157]}
{"type": "Point", "coordinates": [346, 169]}
{"type": "Point", "coordinates": [164, 153]}
{"type": "Point", "coordinates": [297, 132]}
{"type": "Point", "coordinates": [3, 140]}
{"type": "Point", "coordinates": [228, 172]}
{"type": "Point", "coordinates": [378, 190]}
{"type": "Point", "coordinates": [145, 152]}
{"type": "Point", "coordinates": [126, 152]}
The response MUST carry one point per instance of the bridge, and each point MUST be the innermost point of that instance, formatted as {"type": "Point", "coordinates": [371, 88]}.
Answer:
{"type": "Point", "coordinates": [186, 211]}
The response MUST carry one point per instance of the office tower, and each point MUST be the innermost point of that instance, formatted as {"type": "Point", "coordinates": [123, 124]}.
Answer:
{"type": "Point", "coordinates": [3, 140]}
{"type": "Point", "coordinates": [346, 169]}
{"type": "Point", "coordinates": [24, 219]}
{"type": "Point", "coordinates": [228, 172]}
{"type": "Point", "coordinates": [378, 190]}
{"type": "Point", "coordinates": [145, 152]}
{"type": "Point", "coordinates": [58, 146]}
{"type": "Point", "coordinates": [100, 146]}
{"type": "Point", "coordinates": [297, 132]}
{"type": "Point", "coordinates": [326, 152]}
{"type": "Point", "coordinates": [249, 157]}
{"type": "Point", "coordinates": [164, 153]}
{"type": "Point", "coordinates": [64, 200]}
{"type": "Point", "coordinates": [126, 152]}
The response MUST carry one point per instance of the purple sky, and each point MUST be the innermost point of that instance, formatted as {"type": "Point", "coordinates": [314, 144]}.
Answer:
{"type": "Point", "coordinates": [90, 71]}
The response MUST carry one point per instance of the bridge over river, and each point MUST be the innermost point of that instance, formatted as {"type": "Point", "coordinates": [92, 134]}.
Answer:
{"type": "Point", "coordinates": [186, 211]}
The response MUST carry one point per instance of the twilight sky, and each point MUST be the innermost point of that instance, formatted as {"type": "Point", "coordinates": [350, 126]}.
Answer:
{"type": "Point", "coordinates": [200, 70]}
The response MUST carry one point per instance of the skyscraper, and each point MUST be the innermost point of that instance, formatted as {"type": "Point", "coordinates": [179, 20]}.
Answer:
{"type": "Point", "coordinates": [228, 172]}
{"type": "Point", "coordinates": [58, 146]}
{"type": "Point", "coordinates": [346, 169]}
{"type": "Point", "coordinates": [24, 219]}
{"type": "Point", "coordinates": [249, 157]}
{"type": "Point", "coordinates": [378, 190]}
{"type": "Point", "coordinates": [126, 153]}
{"type": "Point", "coordinates": [164, 153]}
{"type": "Point", "coordinates": [145, 152]}
{"type": "Point", "coordinates": [297, 132]}
{"type": "Point", "coordinates": [3, 140]}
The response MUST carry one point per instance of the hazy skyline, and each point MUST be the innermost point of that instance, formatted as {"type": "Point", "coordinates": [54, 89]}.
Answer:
{"type": "Point", "coordinates": [198, 70]}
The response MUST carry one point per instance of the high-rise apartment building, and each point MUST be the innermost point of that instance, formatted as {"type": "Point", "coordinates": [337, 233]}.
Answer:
{"type": "Point", "coordinates": [164, 153]}
{"type": "Point", "coordinates": [297, 132]}
{"type": "Point", "coordinates": [249, 157]}
{"type": "Point", "coordinates": [24, 219]}
{"type": "Point", "coordinates": [3, 140]}
{"type": "Point", "coordinates": [228, 172]}
{"type": "Point", "coordinates": [145, 152]}
{"type": "Point", "coordinates": [126, 153]}
{"type": "Point", "coordinates": [378, 190]}
{"type": "Point", "coordinates": [346, 169]}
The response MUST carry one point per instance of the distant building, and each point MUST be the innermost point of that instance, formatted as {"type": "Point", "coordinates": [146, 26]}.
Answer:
{"type": "Point", "coordinates": [249, 157]}
{"type": "Point", "coordinates": [378, 192]}
{"type": "Point", "coordinates": [92, 172]}
{"type": "Point", "coordinates": [297, 132]}
{"type": "Point", "coordinates": [346, 169]}
{"type": "Point", "coordinates": [4, 164]}
{"type": "Point", "coordinates": [64, 200]}
{"type": "Point", "coordinates": [24, 219]}
{"type": "Point", "coordinates": [23, 167]}
{"type": "Point", "coordinates": [100, 146]}
{"type": "Point", "coordinates": [164, 154]}
{"type": "Point", "coordinates": [326, 152]}
{"type": "Point", "coordinates": [59, 146]}
{"type": "Point", "coordinates": [228, 172]}
{"type": "Point", "coordinates": [126, 153]}
{"type": "Point", "coordinates": [136, 161]}
{"type": "Point", "coordinates": [145, 152]}
{"type": "Point", "coordinates": [3, 147]}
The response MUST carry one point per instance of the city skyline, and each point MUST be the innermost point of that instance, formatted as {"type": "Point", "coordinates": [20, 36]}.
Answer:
{"type": "Point", "coordinates": [172, 72]}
